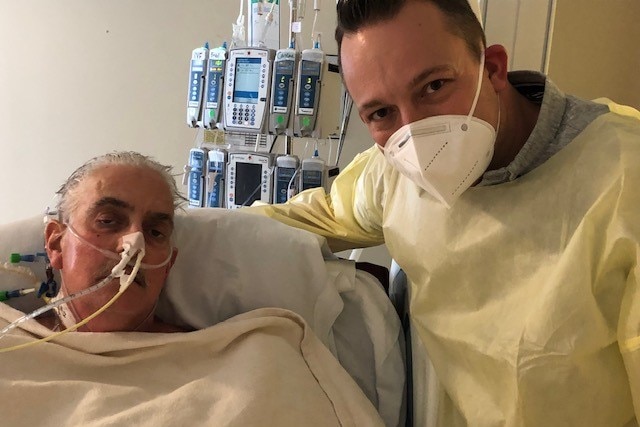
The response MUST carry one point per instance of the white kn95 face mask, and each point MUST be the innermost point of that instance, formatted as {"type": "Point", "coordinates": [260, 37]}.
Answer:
{"type": "Point", "coordinates": [444, 155]}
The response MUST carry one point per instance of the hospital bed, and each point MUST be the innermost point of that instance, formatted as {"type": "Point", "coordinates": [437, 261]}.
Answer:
{"type": "Point", "coordinates": [231, 262]}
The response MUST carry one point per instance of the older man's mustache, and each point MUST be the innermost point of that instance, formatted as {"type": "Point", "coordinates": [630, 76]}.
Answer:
{"type": "Point", "coordinates": [105, 271]}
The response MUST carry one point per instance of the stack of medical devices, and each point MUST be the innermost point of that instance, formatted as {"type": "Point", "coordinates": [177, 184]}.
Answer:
{"type": "Point", "coordinates": [256, 90]}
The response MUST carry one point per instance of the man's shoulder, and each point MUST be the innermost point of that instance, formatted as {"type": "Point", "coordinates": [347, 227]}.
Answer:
{"type": "Point", "coordinates": [619, 109]}
{"type": "Point", "coordinates": [617, 131]}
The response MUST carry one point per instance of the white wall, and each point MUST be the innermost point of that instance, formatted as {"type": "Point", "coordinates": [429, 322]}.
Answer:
{"type": "Point", "coordinates": [522, 27]}
{"type": "Point", "coordinates": [79, 78]}
{"type": "Point", "coordinates": [596, 49]}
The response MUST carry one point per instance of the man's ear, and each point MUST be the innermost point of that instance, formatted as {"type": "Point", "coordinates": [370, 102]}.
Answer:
{"type": "Point", "coordinates": [496, 61]}
{"type": "Point", "coordinates": [53, 232]}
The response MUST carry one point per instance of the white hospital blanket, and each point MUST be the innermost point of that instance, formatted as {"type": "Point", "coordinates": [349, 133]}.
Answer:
{"type": "Point", "coordinates": [262, 368]}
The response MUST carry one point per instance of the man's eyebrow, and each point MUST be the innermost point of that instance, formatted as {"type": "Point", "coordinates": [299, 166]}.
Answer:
{"type": "Point", "coordinates": [119, 203]}
{"type": "Point", "coordinates": [426, 73]}
{"type": "Point", "coordinates": [111, 201]}
{"type": "Point", "coordinates": [415, 81]}
{"type": "Point", "coordinates": [160, 217]}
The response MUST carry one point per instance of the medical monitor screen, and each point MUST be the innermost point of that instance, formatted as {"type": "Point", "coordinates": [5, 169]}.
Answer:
{"type": "Point", "coordinates": [248, 183]}
{"type": "Point", "coordinates": [247, 80]}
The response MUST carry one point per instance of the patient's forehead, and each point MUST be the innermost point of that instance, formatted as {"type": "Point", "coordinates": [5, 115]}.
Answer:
{"type": "Point", "coordinates": [139, 187]}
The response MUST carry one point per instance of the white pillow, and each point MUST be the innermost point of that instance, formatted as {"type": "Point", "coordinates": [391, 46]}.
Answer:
{"type": "Point", "coordinates": [230, 262]}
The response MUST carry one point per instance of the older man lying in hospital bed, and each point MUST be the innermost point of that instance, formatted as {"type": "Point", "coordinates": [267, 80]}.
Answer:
{"type": "Point", "coordinates": [111, 241]}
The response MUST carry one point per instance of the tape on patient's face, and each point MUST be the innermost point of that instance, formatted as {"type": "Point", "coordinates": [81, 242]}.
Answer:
{"type": "Point", "coordinates": [116, 256]}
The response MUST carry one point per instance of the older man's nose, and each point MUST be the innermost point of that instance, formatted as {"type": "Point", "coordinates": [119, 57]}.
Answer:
{"type": "Point", "coordinates": [128, 235]}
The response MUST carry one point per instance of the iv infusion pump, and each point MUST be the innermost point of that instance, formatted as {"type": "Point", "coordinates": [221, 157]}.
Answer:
{"type": "Point", "coordinates": [249, 178]}
{"type": "Point", "coordinates": [282, 90]}
{"type": "Point", "coordinates": [215, 182]}
{"type": "Point", "coordinates": [195, 177]}
{"type": "Point", "coordinates": [216, 178]}
{"type": "Point", "coordinates": [214, 89]}
{"type": "Point", "coordinates": [199, 58]}
{"type": "Point", "coordinates": [247, 89]}
{"type": "Point", "coordinates": [308, 94]}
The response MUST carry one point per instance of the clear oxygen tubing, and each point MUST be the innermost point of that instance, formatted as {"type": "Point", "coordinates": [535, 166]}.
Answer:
{"type": "Point", "coordinates": [114, 255]}
{"type": "Point", "coordinates": [133, 244]}
{"type": "Point", "coordinates": [124, 284]}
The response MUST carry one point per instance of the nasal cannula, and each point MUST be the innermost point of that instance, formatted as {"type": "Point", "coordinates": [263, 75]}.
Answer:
{"type": "Point", "coordinates": [132, 244]}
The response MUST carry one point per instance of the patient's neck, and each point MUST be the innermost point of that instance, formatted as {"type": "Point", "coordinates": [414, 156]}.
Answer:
{"type": "Point", "coordinates": [50, 322]}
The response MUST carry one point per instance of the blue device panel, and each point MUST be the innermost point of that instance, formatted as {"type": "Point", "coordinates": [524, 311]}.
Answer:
{"type": "Point", "coordinates": [195, 88]}
{"type": "Point", "coordinates": [282, 183]}
{"type": "Point", "coordinates": [196, 162]}
{"type": "Point", "coordinates": [284, 74]}
{"type": "Point", "coordinates": [216, 70]}
{"type": "Point", "coordinates": [311, 179]}
{"type": "Point", "coordinates": [216, 195]}
{"type": "Point", "coordinates": [310, 73]}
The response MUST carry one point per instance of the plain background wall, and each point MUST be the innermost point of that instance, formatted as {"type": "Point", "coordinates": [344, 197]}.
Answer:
{"type": "Point", "coordinates": [80, 78]}
{"type": "Point", "coordinates": [595, 50]}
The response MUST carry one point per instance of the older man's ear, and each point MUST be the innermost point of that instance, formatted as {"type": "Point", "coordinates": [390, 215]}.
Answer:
{"type": "Point", "coordinates": [53, 233]}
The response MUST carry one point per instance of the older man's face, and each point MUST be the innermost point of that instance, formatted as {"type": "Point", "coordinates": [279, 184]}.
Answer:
{"type": "Point", "coordinates": [113, 201]}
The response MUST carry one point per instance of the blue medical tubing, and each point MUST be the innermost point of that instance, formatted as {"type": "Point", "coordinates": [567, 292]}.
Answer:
{"type": "Point", "coordinates": [5, 295]}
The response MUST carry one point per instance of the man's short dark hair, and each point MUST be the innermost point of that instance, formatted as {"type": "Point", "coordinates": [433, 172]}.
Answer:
{"type": "Point", "coordinates": [354, 15]}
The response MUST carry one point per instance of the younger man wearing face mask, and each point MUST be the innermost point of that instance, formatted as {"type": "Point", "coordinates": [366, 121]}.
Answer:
{"type": "Point", "coordinates": [513, 209]}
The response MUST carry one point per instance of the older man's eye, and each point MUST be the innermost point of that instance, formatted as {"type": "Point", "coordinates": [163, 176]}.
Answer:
{"type": "Point", "coordinates": [105, 222]}
{"type": "Point", "coordinates": [157, 234]}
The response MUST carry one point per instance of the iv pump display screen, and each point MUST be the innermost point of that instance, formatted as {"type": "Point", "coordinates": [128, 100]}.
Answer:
{"type": "Point", "coordinates": [248, 183]}
{"type": "Point", "coordinates": [247, 80]}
